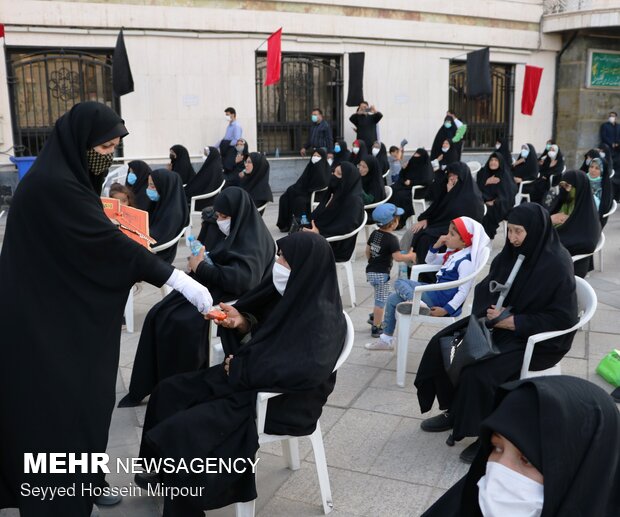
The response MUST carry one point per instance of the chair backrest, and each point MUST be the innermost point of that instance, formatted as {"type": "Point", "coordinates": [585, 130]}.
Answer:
{"type": "Point", "coordinates": [335, 238]}
{"type": "Point", "coordinates": [348, 344]}
{"type": "Point", "coordinates": [599, 247]}
{"type": "Point", "coordinates": [388, 195]}
{"type": "Point", "coordinates": [261, 208]}
{"type": "Point", "coordinates": [168, 244]}
{"type": "Point", "coordinates": [192, 205]}
{"type": "Point", "coordinates": [474, 166]}
{"type": "Point", "coordinates": [313, 203]}
{"type": "Point", "coordinates": [118, 175]}
{"type": "Point", "coordinates": [612, 210]}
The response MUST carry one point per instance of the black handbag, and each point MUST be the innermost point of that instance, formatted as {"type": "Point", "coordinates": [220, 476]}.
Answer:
{"type": "Point", "coordinates": [470, 345]}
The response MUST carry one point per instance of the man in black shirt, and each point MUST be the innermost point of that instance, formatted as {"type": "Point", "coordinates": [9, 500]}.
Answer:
{"type": "Point", "coordinates": [320, 136]}
{"type": "Point", "coordinates": [366, 119]}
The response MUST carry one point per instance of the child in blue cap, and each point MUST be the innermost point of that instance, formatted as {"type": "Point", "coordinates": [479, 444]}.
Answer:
{"type": "Point", "coordinates": [381, 249]}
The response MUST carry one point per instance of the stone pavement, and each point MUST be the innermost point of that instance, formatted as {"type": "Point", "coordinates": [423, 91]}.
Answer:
{"type": "Point", "coordinates": [380, 462]}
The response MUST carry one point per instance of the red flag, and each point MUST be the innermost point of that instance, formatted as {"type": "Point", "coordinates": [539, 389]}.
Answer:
{"type": "Point", "coordinates": [531, 82]}
{"type": "Point", "coordinates": [274, 57]}
{"type": "Point", "coordinates": [1, 30]}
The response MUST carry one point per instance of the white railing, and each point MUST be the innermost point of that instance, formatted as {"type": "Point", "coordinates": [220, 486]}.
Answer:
{"type": "Point", "coordinates": [564, 6]}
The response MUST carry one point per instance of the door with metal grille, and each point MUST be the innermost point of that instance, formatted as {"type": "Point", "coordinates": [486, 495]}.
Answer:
{"type": "Point", "coordinates": [46, 84]}
{"type": "Point", "coordinates": [487, 118]}
{"type": "Point", "coordinates": [283, 109]}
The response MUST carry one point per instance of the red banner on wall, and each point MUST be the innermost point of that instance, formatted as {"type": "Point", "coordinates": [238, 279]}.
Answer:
{"type": "Point", "coordinates": [274, 57]}
{"type": "Point", "coordinates": [531, 83]}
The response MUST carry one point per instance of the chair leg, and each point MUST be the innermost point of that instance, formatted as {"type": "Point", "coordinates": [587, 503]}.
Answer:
{"type": "Point", "coordinates": [402, 344]}
{"type": "Point", "coordinates": [290, 451]}
{"type": "Point", "coordinates": [129, 311]}
{"type": "Point", "coordinates": [349, 270]}
{"type": "Point", "coordinates": [316, 438]}
{"type": "Point", "coordinates": [245, 509]}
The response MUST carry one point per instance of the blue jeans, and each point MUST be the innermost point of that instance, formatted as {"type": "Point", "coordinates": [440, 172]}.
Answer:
{"type": "Point", "coordinates": [404, 292]}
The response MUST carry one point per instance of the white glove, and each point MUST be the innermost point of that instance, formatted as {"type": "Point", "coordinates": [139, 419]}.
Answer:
{"type": "Point", "coordinates": [196, 293]}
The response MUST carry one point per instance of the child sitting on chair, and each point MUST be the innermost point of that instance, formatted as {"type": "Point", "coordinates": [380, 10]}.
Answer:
{"type": "Point", "coordinates": [464, 242]}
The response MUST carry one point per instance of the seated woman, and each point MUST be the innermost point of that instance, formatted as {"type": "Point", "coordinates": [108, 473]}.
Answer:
{"type": "Point", "coordinates": [341, 153]}
{"type": "Point", "coordinates": [232, 175]}
{"type": "Point", "coordinates": [526, 467]}
{"type": "Point", "coordinates": [602, 188]}
{"type": "Point", "coordinates": [137, 180]}
{"type": "Point", "coordinates": [168, 212]}
{"type": "Point", "coordinates": [418, 171]}
{"type": "Point", "coordinates": [174, 338]}
{"type": "Point", "coordinates": [211, 413]}
{"type": "Point", "coordinates": [587, 158]}
{"type": "Point", "coordinates": [373, 186]}
{"type": "Point", "coordinates": [576, 219]}
{"type": "Point", "coordinates": [358, 151]}
{"type": "Point", "coordinates": [341, 211]}
{"type": "Point", "coordinates": [501, 147]}
{"type": "Point", "coordinates": [525, 167]}
{"type": "Point", "coordinates": [207, 179]}
{"type": "Point", "coordinates": [459, 197]}
{"type": "Point", "coordinates": [542, 299]}
{"type": "Point", "coordinates": [452, 132]}
{"type": "Point", "coordinates": [449, 154]}
{"type": "Point", "coordinates": [255, 179]}
{"type": "Point", "coordinates": [181, 164]}
{"type": "Point", "coordinates": [379, 151]}
{"type": "Point", "coordinates": [550, 169]}
{"type": "Point", "coordinates": [296, 200]}
{"type": "Point", "coordinates": [498, 191]}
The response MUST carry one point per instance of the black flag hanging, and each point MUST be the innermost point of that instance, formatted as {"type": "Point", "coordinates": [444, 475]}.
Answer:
{"type": "Point", "coordinates": [479, 73]}
{"type": "Point", "coordinates": [356, 79]}
{"type": "Point", "coordinates": [122, 81]}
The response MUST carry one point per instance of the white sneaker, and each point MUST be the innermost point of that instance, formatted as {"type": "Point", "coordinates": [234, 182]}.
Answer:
{"type": "Point", "coordinates": [379, 344]}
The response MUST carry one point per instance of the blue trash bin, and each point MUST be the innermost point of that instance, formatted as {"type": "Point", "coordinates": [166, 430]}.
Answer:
{"type": "Point", "coordinates": [23, 164]}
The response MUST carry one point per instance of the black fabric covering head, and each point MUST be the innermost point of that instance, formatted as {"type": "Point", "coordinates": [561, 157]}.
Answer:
{"type": "Point", "coordinates": [316, 175]}
{"type": "Point", "coordinates": [355, 158]}
{"type": "Point", "coordinates": [343, 156]}
{"type": "Point", "coordinates": [257, 183]}
{"type": "Point", "coordinates": [546, 169]}
{"type": "Point", "coordinates": [463, 200]}
{"type": "Point", "coordinates": [182, 165]}
{"type": "Point", "coordinates": [527, 170]}
{"type": "Point", "coordinates": [607, 194]}
{"type": "Point", "coordinates": [170, 214]}
{"type": "Point", "coordinates": [479, 74]}
{"type": "Point", "coordinates": [608, 158]}
{"type": "Point", "coordinates": [373, 183]}
{"type": "Point", "coordinates": [503, 192]}
{"type": "Point", "coordinates": [272, 358]}
{"type": "Point", "coordinates": [208, 178]}
{"type": "Point", "coordinates": [570, 435]}
{"type": "Point", "coordinates": [592, 153]}
{"type": "Point", "coordinates": [582, 230]}
{"type": "Point", "coordinates": [504, 150]}
{"type": "Point", "coordinates": [122, 80]}
{"type": "Point", "coordinates": [356, 79]}
{"type": "Point", "coordinates": [382, 159]}
{"type": "Point", "coordinates": [443, 133]}
{"type": "Point", "coordinates": [418, 169]}
{"type": "Point", "coordinates": [142, 172]}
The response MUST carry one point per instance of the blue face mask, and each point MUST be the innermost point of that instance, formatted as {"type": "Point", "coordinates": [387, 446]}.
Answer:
{"type": "Point", "coordinates": [314, 118]}
{"type": "Point", "coordinates": [132, 178]}
{"type": "Point", "coordinates": [337, 148]}
{"type": "Point", "coordinates": [447, 124]}
{"type": "Point", "coordinates": [152, 194]}
{"type": "Point", "coordinates": [525, 153]}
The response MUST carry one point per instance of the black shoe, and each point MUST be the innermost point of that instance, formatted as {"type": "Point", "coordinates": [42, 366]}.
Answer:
{"type": "Point", "coordinates": [439, 423]}
{"type": "Point", "coordinates": [376, 331]}
{"type": "Point", "coordinates": [145, 480]}
{"type": "Point", "coordinates": [108, 500]}
{"type": "Point", "coordinates": [371, 319]}
{"type": "Point", "coordinates": [469, 452]}
{"type": "Point", "coordinates": [129, 401]}
{"type": "Point", "coordinates": [404, 308]}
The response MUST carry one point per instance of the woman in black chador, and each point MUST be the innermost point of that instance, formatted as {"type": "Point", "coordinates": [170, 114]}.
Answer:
{"type": "Point", "coordinates": [168, 212]}
{"type": "Point", "coordinates": [549, 448]}
{"type": "Point", "coordinates": [525, 167]}
{"type": "Point", "coordinates": [576, 219]}
{"type": "Point", "coordinates": [210, 414]}
{"type": "Point", "coordinates": [207, 179]}
{"type": "Point", "coordinates": [296, 200]}
{"type": "Point", "coordinates": [418, 171]}
{"type": "Point", "coordinates": [255, 179]}
{"type": "Point", "coordinates": [174, 337]}
{"type": "Point", "coordinates": [138, 180]}
{"type": "Point", "coordinates": [181, 163]}
{"type": "Point", "coordinates": [342, 210]}
{"type": "Point", "coordinates": [542, 299]}
{"type": "Point", "coordinates": [62, 295]}
{"type": "Point", "coordinates": [498, 190]}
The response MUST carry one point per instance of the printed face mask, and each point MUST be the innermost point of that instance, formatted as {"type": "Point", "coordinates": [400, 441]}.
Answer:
{"type": "Point", "coordinates": [224, 226]}
{"type": "Point", "coordinates": [315, 159]}
{"type": "Point", "coordinates": [98, 163]}
{"type": "Point", "coordinates": [152, 194]}
{"type": "Point", "coordinates": [132, 178]}
{"type": "Point", "coordinates": [281, 275]}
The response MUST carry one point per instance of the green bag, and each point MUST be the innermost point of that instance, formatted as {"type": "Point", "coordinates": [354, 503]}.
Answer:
{"type": "Point", "coordinates": [609, 368]}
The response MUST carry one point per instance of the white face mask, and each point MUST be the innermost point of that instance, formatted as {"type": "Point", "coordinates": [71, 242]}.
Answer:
{"type": "Point", "coordinates": [552, 154]}
{"type": "Point", "coordinates": [315, 159]}
{"type": "Point", "coordinates": [224, 226]}
{"type": "Point", "coordinates": [375, 151]}
{"type": "Point", "coordinates": [206, 152]}
{"type": "Point", "coordinates": [355, 150]}
{"type": "Point", "coordinates": [602, 154]}
{"type": "Point", "coordinates": [445, 149]}
{"type": "Point", "coordinates": [330, 160]}
{"type": "Point", "coordinates": [612, 119]}
{"type": "Point", "coordinates": [497, 146]}
{"type": "Point", "coordinates": [228, 117]}
{"type": "Point", "coordinates": [280, 277]}
{"type": "Point", "coordinates": [502, 491]}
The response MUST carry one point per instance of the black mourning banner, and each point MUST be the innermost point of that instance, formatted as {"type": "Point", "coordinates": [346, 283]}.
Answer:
{"type": "Point", "coordinates": [122, 80]}
{"type": "Point", "coordinates": [356, 78]}
{"type": "Point", "coordinates": [479, 73]}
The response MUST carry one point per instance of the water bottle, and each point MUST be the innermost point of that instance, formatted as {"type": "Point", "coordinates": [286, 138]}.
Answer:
{"type": "Point", "coordinates": [207, 259]}
{"type": "Point", "coordinates": [304, 220]}
{"type": "Point", "coordinates": [402, 267]}
{"type": "Point", "coordinates": [277, 154]}
{"type": "Point", "coordinates": [194, 245]}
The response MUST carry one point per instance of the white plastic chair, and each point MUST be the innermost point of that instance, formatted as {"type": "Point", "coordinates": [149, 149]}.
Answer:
{"type": "Point", "coordinates": [388, 194]}
{"type": "Point", "coordinates": [612, 210]}
{"type": "Point", "coordinates": [520, 194]}
{"type": "Point", "coordinates": [129, 319]}
{"type": "Point", "coordinates": [261, 209]}
{"type": "Point", "coordinates": [192, 205]}
{"type": "Point", "coordinates": [347, 265]}
{"type": "Point", "coordinates": [612, 173]}
{"type": "Point", "coordinates": [165, 289]}
{"type": "Point", "coordinates": [586, 301]}
{"type": "Point", "coordinates": [313, 203]}
{"type": "Point", "coordinates": [474, 168]}
{"type": "Point", "coordinates": [405, 321]}
{"type": "Point", "coordinates": [420, 203]}
{"type": "Point", "coordinates": [598, 249]}
{"type": "Point", "coordinates": [118, 175]}
{"type": "Point", "coordinates": [290, 444]}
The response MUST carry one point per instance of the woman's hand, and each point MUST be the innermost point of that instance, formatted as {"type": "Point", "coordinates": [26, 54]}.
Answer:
{"type": "Point", "coordinates": [507, 323]}
{"type": "Point", "coordinates": [241, 174]}
{"type": "Point", "coordinates": [492, 180]}
{"type": "Point", "coordinates": [407, 182]}
{"type": "Point", "coordinates": [234, 319]}
{"type": "Point", "coordinates": [314, 229]}
{"type": "Point", "coordinates": [517, 180]}
{"type": "Point", "coordinates": [227, 364]}
{"type": "Point", "coordinates": [421, 225]}
{"type": "Point", "coordinates": [438, 311]}
{"type": "Point", "coordinates": [195, 261]}
{"type": "Point", "coordinates": [439, 158]}
{"type": "Point", "coordinates": [490, 202]}
{"type": "Point", "coordinates": [559, 218]}
{"type": "Point", "coordinates": [238, 158]}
